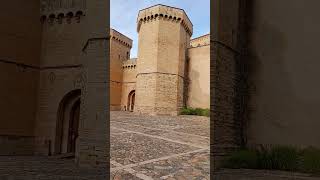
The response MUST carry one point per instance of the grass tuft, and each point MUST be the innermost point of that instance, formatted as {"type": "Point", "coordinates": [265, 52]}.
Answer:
{"type": "Point", "coordinates": [286, 158]}
{"type": "Point", "coordinates": [195, 111]}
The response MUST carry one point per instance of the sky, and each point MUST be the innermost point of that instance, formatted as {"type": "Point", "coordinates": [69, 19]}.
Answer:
{"type": "Point", "coordinates": [123, 14]}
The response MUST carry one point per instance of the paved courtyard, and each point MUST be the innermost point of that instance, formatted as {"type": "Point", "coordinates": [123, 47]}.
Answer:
{"type": "Point", "coordinates": [142, 147]}
{"type": "Point", "coordinates": [159, 147]}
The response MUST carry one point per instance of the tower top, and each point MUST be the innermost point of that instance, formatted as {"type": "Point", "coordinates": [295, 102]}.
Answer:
{"type": "Point", "coordinates": [120, 37]}
{"type": "Point", "coordinates": [166, 12]}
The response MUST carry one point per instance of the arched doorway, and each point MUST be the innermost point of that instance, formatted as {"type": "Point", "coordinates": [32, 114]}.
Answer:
{"type": "Point", "coordinates": [131, 99]}
{"type": "Point", "coordinates": [68, 123]}
{"type": "Point", "coordinates": [73, 127]}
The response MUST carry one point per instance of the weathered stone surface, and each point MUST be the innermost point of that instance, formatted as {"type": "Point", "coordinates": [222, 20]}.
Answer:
{"type": "Point", "coordinates": [159, 147]}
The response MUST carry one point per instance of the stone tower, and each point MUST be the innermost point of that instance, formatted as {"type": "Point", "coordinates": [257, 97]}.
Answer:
{"type": "Point", "coordinates": [164, 36]}
{"type": "Point", "coordinates": [74, 60]}
{"type": "Point", "coordinates": [120, 47]}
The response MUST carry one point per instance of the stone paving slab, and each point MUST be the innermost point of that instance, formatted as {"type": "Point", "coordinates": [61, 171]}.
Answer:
{"type": "Point", "coordinates": [142, 147]}
{"type": "Point", "coordinates": [162, 122]}
{"type": "Point", "coordinates": [121, 175]}
{"type": "Point", "coordinates": [190, 166]}
{"type": "Point", "coordinates": [196, 129]}
{"type": "Point", "coordinates": [45, 168]}
{"type": "Point", "coordinates": [179, 136]}
{"type": "Point", "coordinates": [160, 147]}
{"type": "Point", "coordinates": [133, 148]}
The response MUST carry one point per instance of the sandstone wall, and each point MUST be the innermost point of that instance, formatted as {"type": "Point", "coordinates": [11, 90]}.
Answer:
{"type": "Point", "coordinates": [199, 75]}
{"type": "Point", "coordinates": [19, 74]}
{"type": "Point", "coordinates": [120, 47]}
{"type": "Point", "coordinates": [224, 74]}
{"type": "Point", "coordinates": [129, 80]}
{"type": "Point", "coordinates": [200, 41]}
{"type": "Point", "coordinates": [55, 84]}
{"type": "Point", "coordinates": [61, 61]}
{"type": "Point", "coordinates": [284, 56]}
{"type": "Point", "coordinates": [92, 145]}
{"type": "Point", "coordinates": [164, 35]}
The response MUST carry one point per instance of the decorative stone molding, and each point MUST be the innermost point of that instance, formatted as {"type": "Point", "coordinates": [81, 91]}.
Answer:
{"type": "Point", "coordinates": [61, 17]}
{"type": "Point", "coordinates": [129, 64]}
{"type": "Point", "coordinates": [200, 41]}
{"type": "Point", "coordinates": [52, 77]}
{"type": "Point", "coordinates": [162, 12]}
{"type": "Point", "coordinates": [61, 6]}
{"type": "Point", "coordinates": [117, 36]}
{"type": "Point", "coordinates": [79, 81]}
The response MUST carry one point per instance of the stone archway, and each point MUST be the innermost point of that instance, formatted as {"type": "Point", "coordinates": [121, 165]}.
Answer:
{"type": "Point", "coordinates": [131, 100]}
{"type": "Point", "coordinates": [68, 123]}
{"type": "Point", "coordinates": [73, 127]}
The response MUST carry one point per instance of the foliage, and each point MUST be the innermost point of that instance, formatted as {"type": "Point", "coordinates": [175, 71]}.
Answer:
{"type": "Point", "coordinates": [311, 160]}
{"type": "Point", "coordinates": [195, 111]}
{"type": "Point", "coordinates": [279, 158]}
{"type": "Point", "coordinates": [285, 158]}
{"type": "Point", "coordinates": [242, 159]}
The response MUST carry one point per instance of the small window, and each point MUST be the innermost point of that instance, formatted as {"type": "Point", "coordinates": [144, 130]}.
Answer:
{"type": "Point", "coordinates": [128, 55]}
{"type": "Point", "coordinates": [119, 56]}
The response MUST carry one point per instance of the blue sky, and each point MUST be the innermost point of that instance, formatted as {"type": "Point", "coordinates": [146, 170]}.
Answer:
{"type": "Point", "coordinates": [124, 16]}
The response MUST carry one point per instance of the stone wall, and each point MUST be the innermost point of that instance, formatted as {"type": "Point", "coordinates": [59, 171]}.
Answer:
{"type": "Point", "coordinates": [19, 73]}
{"type": "Point", "coordinates": [120, 46]}
{"type": "Point", "coordinates": [199, 77]}
{"type": "Point", "coordinates": [55, 84]}
{"type": "Point", "coordinates": [200, 41]}
{"type": "Point", "coordinates": [225, 78]}
{"type": "Point", "coordinates": [61, 61]}
{"type": "Point", "coordinates": [284, 60]}
{"type": "Point", "coordinates": [92, 146]}
{"type": "Point", "coordinates": [129, 80]}
{"type": "Point", "coordinates": [164, 35]}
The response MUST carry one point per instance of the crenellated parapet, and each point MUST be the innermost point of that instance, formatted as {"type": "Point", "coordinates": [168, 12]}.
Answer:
{"type": "Point", "coordinates": [62, 10]}
{"type": "Point", "coordinates": [167, 13]}
{"type": "Point", "coordinates": [117, 36]}
{"type": "Point", "coordinates": [129, 64]}
{"type": "Point", "coordinates": [200, 41]}
{"type": "Point", "coordinates": [61, 6]}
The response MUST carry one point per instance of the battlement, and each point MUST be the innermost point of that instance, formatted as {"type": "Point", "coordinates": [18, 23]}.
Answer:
{"type": "Point", "coordinates": [69, 17]}
{"type": "Point", "coordinates": [56, 7]}
{"type": "Point", "coordinates": [200, 41]}
{"type": "Point", "coordinates": [166, 13]}
{"type": "Point", "coordinates": [115, 35]}
{"type": "Point", "coordinates": [130, 64]}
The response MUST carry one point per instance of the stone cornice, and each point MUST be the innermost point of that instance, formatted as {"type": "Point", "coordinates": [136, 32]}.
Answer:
{"type": "Point", "coordinates": [61, 6]}
{"type": "Point", "coordinates": [129, 64]}
{"type": "Point", "coordinates": [165, 13]}
{"type": "Point", "coordinates": [115, 35]}
{"type": "Point", "coordinates": [201, 40]}
{"type": "Point", "coordinates": [61, 17]}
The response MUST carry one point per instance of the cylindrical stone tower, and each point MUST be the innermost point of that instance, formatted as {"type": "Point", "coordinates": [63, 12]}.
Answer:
{"type": "Point", "coordinates": [164, 36]}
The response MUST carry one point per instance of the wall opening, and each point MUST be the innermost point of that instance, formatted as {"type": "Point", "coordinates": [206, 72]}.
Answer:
{"type": "Point", "coordinates": [68, 124]}
{"type": "Point", "coordinates": [131, 100]}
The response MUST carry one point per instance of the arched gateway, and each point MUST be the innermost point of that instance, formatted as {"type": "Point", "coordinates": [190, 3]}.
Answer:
{"type": "Point", "coordinates": [131, 99]}
{"type": "Point", "coordinates": [68, 123]}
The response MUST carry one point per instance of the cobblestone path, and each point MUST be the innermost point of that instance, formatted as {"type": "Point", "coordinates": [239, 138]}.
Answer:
{"type": "Point", "coordinates": [159, 147]}
{"type": "Point", "coordinates": [142, 147]}
{"type": "Point", "coordinates": [45, 168]}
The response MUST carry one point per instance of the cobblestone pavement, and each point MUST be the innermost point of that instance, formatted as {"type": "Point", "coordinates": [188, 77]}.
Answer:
{"type": "Point", "coordinates": [142, 147]}
{"type": "Point", "coordinates": [45, 168]}
{"type": "Point", "coordinates": [159, 147]}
